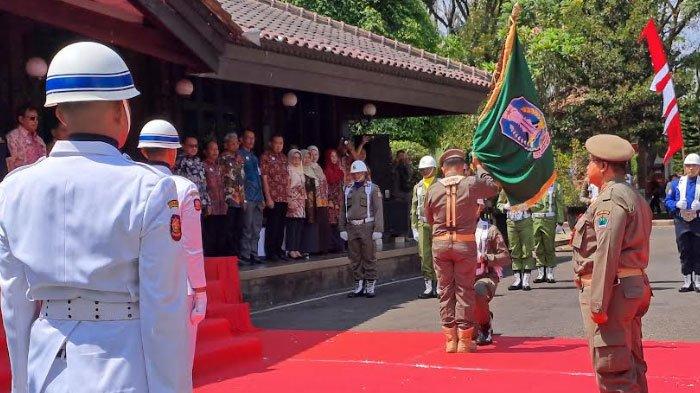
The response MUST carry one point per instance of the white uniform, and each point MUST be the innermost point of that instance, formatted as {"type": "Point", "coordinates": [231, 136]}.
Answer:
{"type": "Point", "coordinates": [88, 223]}
{"type": "Point", "coordinates": [190, 215]}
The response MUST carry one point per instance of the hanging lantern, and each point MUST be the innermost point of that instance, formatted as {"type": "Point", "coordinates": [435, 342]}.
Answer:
{"type": "Point", "coordinates": [184, 87]}
{"type": "Point", "coordinates": [36, 67]}
{"type": "Point", "coordinates": [369, 110]}
{"type": "Point", "coordinates": [289, 99]}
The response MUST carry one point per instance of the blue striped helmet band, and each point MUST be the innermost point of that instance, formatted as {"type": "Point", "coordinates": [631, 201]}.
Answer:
{"type": "Point", "coordinates": [159, 138]}
{"type": "Point", "coordinates": [89, 82]}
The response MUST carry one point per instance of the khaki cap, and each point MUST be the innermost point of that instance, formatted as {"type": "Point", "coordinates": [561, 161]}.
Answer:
{"type": "Point", "coordinates": [610, 148]}
{"type": "Point", "coordinates": [452, 153]}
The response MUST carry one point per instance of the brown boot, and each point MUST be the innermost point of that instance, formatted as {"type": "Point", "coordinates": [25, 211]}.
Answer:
{"type": "Point", "coordinates": [466, 340]}
{"type": "Point", "coordinates": [450, 339]}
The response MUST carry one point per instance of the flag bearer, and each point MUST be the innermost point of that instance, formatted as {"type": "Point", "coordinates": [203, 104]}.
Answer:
{"type": "Point", "coordinates": [361, 224]}
{"type": "Point", "coordinates": [611, 253]}
{"type": "Point", "coordinates": [521, 242]}
{"type": "Point", "coordinates": [94, 287]}
{"type": "Point", "coordinates": [492, 255]}
{"type": "Point", "coordinates": [547, 219]}
{"type": "Point", "coordinates": [421, 230]}
{"type": "Point", "coordinates": [452, 211]}
{"type": "Point", "coordinates": [159, 142]}
{"type": "Point", "coordinates": [683, 200]}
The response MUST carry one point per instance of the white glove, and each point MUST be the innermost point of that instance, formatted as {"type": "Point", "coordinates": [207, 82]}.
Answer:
{"type": "Point", "coordinates": [559, 229]}
{"type": "Point", "coordinates": [344, 235]}
{"type": "Point", "coordinates": [681, 205]}
{"type": "Point", "coordinates": [695, 205]}
{"type": "Point", "coordinates": [415, 233]}
{"type": "Point", "coordinates": [199, 310]}
{"type": "Point", "coordinates": [376, 235]}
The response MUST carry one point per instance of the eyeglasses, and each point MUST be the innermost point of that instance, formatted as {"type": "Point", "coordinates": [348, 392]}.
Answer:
{"type": "Point", "coordinates": [31, 117]}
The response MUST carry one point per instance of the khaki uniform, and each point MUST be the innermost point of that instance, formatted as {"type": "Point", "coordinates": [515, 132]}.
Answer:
{"type": "Point", "coordinates": [487, 277]}
{"type": "Point", "coordinates": [420, 224]}
{"type": "Point", "coordinates": [361, 214]}
{"type": "Point", "coordinates": [611, 251]}
{"type": "Point", "coordinates": [452, 211]}
{"type": "Point", "coordinates": [546, 214]}
{"type": "Point", "coordinates": [520, 236]}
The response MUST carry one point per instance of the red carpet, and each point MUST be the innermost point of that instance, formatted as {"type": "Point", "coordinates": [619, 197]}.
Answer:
{"type": "Point", "coordinates": [309, 362]}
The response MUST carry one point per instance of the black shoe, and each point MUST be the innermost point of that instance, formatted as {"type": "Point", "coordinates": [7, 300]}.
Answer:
{"type": "Point", "coordinates": [283, 257]}
{"type": "Point", "coordinates": [243, 261]}
{"type": "Point", "coordinates": [423, 295]}
{"type": "Point", "coordinates": [484, 336]}
{"type": "Point", "coordinates": [552, 281]}
{"type": "Point", "coordinates": [255, 261]}
{"type": "Point", "coordinates": [538, 280]}
{"type": "Point", "coordinates": [271, 258]}
{"type": "Point", "coordinates": [527, 288]}
{"type": "Point", "coordinates": [687, 289]}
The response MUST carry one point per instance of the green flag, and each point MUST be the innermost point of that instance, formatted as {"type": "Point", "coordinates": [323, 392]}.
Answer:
{"type": "Point", "coordinates": [512, 140]}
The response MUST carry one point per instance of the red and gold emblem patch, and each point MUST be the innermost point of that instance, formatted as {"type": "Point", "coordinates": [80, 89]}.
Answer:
{"type": "Point", "coordinates": [175, 227]}
{"type": "Point", "coordinates": [197, 204]}
{"type": "Point", "coordinates": [173, 204]}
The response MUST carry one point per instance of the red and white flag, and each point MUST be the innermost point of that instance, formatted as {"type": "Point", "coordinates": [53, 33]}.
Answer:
{"type": "Point", "coordinates": [663, 83]}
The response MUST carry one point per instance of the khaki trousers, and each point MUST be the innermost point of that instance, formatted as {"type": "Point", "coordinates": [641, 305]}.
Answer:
{"type": "Point", "coordinates": [455, 266]}
{"type": "Point", "coordinates": [362, 251]}
{"type": "Point", "coordinates": [485, 290]}
{"type": "Point", "coordinates": [616, 346]}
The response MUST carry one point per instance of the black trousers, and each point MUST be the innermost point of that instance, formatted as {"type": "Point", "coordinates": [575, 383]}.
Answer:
{"type": "Point", "coordinates": [689, 248]}
{"type": "Point", "coordinates": [234, 225]}
{"type": "Point", "coordinates": [214, 236]}
{"type": "Point", "coordinates": [295, 230]}
{"type": "Point", "coordinates": [274, 229]}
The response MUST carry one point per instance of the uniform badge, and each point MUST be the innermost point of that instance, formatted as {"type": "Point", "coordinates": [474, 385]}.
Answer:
{"type": "Point", "coordinates": [175, 227]}
{"type": "Point", "coordinates": [173, 204]}
{"type": "Point", "coordinates": [197, 204]}
{"type": "Point", "coordinates": [602, 219]}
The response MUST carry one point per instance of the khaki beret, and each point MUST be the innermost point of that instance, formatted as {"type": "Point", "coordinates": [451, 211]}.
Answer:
{"type": "Point", "coordinates": [452, 153]}
{"type": "Point", "coordinates": [610, 148]}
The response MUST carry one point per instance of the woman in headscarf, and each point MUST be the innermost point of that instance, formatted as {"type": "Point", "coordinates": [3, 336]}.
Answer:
{"type": "Point", "coordinates": [309, 242]}
{"type": "Point", "coordinates": [334, 177]}
{"type": "Point", "coordinates": [296, 204]}
{"type": "Point", "coordinates": [324, 227]}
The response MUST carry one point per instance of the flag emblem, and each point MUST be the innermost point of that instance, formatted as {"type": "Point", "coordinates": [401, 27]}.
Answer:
{"type": "Point", "coordinates": [524, 123]}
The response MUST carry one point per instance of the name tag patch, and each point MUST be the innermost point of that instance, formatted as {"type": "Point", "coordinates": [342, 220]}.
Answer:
{"type": "Point", "coordinates": [175, 227]}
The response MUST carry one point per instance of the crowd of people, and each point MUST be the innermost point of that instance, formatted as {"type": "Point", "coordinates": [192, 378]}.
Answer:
{"type": "Point", "coordinates": [298, 199]}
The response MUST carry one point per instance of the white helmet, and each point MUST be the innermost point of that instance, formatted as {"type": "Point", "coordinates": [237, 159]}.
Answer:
{"type": "Point", "coordinates": [358, 166]}
{"type": "Point", "coordinates": [88, 71]}
{"type": "Point", "coordinates": [427, 162]}
{"type": "Point", "coordinates": [159, 133]}
{"type": "Point", "coordinates": [692, 159]}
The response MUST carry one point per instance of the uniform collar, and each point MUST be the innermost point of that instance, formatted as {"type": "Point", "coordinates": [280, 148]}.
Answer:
{"type": "Point", "coordinates": [88, 137]}
{"type": "Point", "coordinates": [71, 148]}
{"type": "Point", "coordinates": [161, 167]}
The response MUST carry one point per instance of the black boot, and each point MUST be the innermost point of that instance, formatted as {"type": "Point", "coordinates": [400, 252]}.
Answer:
{"type": "Point", "coordinates": [357, 290]}
{"type": "Point", "coordinates": [485, 335]}
{"type": "Point", "coordinates": [518, 283]}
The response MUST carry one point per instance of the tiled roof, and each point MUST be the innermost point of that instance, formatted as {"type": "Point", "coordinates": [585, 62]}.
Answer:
{"type": "Point", "coordinates": [292, 30]}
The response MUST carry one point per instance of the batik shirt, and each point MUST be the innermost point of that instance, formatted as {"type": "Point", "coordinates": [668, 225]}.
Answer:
{"type": "Point", "coordinates": [253, 180]}
{"type": "Point", "coordinates": [192, 168]}
{"type": "Point", "coordinates": [234, 178]}
{"type": "Point", "coordinates": [215, 188]}
{"type": "Point", "coordinates": [25, 148]}
{"type": "Point", "coordinates": [274, 166]}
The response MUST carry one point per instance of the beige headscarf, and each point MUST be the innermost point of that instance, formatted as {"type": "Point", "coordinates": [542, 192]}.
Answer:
{"type": "Point", "coordinates": [317, 168]}
{"type": "Point", "coordinates": [308, 169]}
{"type": "Point", "coordinates": [296, 172]}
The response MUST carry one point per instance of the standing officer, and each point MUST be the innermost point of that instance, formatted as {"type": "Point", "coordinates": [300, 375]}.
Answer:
{"type": "Point", "coordinates": [452, 211]}
{"type": "Point", "coordinates": [521, 241]}
{"type": "Point", "coordinates": [159, 142]}
{"type": "Point", "coordinates": [361, 223]}
{"type": "Point", "coordinates": [421, 230]}
{"type": "Point", "coordinates": [683, 200]}
{"type": "Point", "coordinates": [611, 251]}
{"type": "Point", "coordinates": [547, 219]}
{"type": "Point", "coordinates": [100, 252]}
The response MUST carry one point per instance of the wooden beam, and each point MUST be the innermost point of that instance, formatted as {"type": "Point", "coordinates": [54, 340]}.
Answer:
{"type": "Point", "coordinates": [243, 64]}
{"type": "Point", "coordinates": [94, 25]}
{"type": "Point", "coordinates": [196, 33]}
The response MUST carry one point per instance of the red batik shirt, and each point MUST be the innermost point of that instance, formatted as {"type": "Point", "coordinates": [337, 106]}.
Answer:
{"type": "Point", "coordinates": [25, 148]}
{"type": "Point", "coordinates": [274, 166]}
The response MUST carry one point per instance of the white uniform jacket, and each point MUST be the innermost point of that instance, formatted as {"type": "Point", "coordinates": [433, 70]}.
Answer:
{"type": "Point", "coordinates": [190, 214]}
{"type": "Point", "coordinates": [87, 222]}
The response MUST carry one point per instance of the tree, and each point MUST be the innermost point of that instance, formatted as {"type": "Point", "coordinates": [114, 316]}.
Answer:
{"type": "Point", "coordinates": [450, 14]}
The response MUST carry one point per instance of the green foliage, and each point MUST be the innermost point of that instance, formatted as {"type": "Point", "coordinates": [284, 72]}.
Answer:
{"type": "Point", "coordinates": [570, 165]}
{"type": "Point", "coordinates": [413, 149]}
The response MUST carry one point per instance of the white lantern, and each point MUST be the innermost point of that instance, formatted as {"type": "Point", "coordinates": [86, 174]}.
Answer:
{"type": "Point", "coordinates": [369, 110]}
{"type": "Point", "coordinates": [36, 67]}
{"type": "Point", "coordinates": [289, 99]}
{"type": "Point", "coordinates": [184, 87]}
